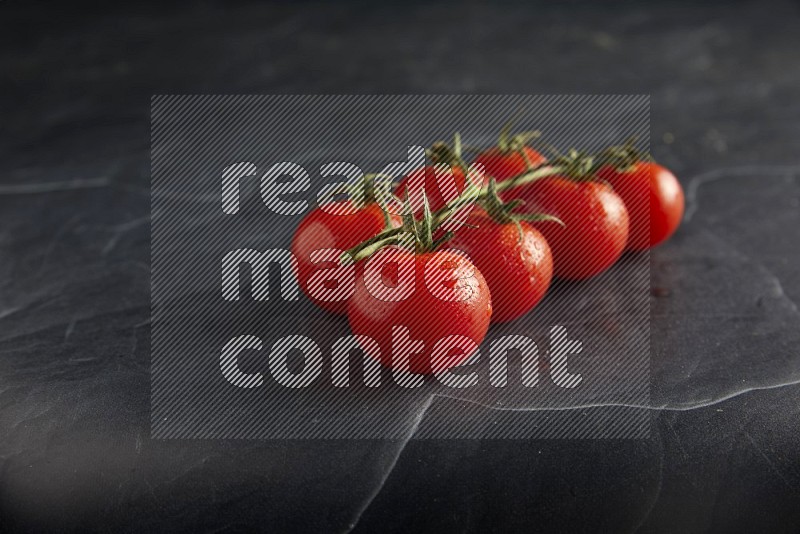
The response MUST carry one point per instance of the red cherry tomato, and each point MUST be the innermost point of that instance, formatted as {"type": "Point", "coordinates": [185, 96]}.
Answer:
{"type": "Point", "coordinates": [595, 219]}
{"type": "Point", "coordinates": [449, 298]}
{"type": "Point", "coordinates": [518, 268]}
{"type": "Point", "coordinates": [440, 186]}
{"type": "Point", "coordinates": [502, 165]}
{"type": "Point", "coordinates": [320, 230]}
{"type": "Point", "coordinates": [654, 199]}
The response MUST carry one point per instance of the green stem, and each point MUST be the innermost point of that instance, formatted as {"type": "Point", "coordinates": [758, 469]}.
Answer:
{"type": "Point", "coordinates": [468, 197]}
{"type": "Point", "coordinates": [471, 194]}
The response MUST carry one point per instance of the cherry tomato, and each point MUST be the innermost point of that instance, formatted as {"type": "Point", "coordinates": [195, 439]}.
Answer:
{"type": "Point", "coordinates": [440, 186]}
{"type": "Point", "coordinates": [654, 199]}
{"type": "Point", "coordinates": [595, 219]}
{"type": "Point", "coordinates": [515, 261]}
{"type": "Point", "coordinates": [449, 298]}
{"type": "Point", "coordinates": [502, 165]}
{"type": "Point", "coordinates": [322, 229]}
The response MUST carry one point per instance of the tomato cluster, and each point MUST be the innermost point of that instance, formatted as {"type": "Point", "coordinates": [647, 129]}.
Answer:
{"type": "Point", "coordinates": [580, 214]}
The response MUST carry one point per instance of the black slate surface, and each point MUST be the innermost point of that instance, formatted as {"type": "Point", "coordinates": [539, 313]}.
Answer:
{"type": "Point", "coordinates": [75, 451]}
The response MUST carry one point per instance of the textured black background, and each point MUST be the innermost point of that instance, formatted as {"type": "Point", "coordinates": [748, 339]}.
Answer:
{"type": "Point", "coordinates": [76, 81]}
